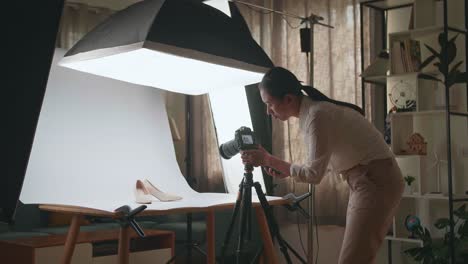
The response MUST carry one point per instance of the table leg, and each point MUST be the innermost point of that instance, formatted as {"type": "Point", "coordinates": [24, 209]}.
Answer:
{"type": "Point", "coordinates": [72, 236]}
{"type": "Point", "coordinates": [210, 238]}
{"type": "Point", "coordinates": [124, 245]}
{"type": "Point", "coordinates": [268, 248]}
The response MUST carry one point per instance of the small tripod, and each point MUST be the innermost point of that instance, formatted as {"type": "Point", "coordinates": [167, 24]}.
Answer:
{"type": "Point", "coordinates": [128, 218]}
{"type": "Point", "coordinates": [244, 204]}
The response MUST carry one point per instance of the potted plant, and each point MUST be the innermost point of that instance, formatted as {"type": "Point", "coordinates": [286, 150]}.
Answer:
{"type": "Point", "coordinates": [443, 60]}
{"type": "Point", "coordinates": [437, 251]}
{"type": "Point", "coordinates": [409, 180]}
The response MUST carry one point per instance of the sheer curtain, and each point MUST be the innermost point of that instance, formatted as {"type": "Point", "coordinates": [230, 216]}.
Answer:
{"type": "Point", "coordinates": [205, 158]}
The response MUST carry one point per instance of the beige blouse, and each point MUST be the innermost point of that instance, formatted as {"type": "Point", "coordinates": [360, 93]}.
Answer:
{"type": "Point", "coordinates": [337, 136]}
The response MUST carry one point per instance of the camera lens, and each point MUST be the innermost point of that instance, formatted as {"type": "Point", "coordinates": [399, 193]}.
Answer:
{"type": "Point", "coordinates": [229, 149]}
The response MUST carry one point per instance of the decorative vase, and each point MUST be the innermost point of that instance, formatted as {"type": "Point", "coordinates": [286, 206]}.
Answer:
{"type": "Point", "coordinates": [408, 189]}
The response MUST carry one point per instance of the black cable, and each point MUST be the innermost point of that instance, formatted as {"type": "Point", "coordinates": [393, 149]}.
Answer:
{"type": "Point", "coordinates": [259, 11]}
{"type": "Point", "coordinates": [270, 12]}
{"type": "Point", "coordinates": [308, 66]}
{"type": "Point", "coordinates": [300, 236]}
{"type": "Point", "coordinates": [316, 225]}
{"type": "Point", "coordinates": [289, 24]}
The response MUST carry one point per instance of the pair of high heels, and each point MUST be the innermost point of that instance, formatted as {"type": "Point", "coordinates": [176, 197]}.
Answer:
{"type": "Point", "coordinates": [145, 191]}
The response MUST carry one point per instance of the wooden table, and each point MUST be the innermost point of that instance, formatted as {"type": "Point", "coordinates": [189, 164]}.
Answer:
{"type": "Point", "coordinates": [23, 250]}
{"type": "Point", "coordinates": [80, 212]}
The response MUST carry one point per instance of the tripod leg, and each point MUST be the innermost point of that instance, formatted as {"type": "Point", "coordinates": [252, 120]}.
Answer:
{"type": "Point", "coordinates": [249, 225]}
{"type": "Point", "coordinates": [233, 219]}
{"type": "Point", "coordinates": [172, 260]}
{"type": "Point", "coordinates": [189, 238]}
{"type": "Point", "coordinates": [246, 206]}
{"type": "Point", "coordinates": [271, 221]}
{"type": "Point", "coordinates": [298, 256]}
{"type": "Point", "coordinates": [199, 250]}
{"type": "Point", "coordinates": [257, 256]}
{"type": "Point", "coordinates": [268, 248]}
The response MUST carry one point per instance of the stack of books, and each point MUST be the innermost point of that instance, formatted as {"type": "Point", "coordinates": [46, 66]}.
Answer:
{"type": "Point", "coordinates": [406, 56]}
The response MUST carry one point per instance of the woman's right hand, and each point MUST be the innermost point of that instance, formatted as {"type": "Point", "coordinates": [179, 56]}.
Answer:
{"type": "Point", "coordinates": [255, 157]}
{"type": "Point", "coordinates": [271, 165]}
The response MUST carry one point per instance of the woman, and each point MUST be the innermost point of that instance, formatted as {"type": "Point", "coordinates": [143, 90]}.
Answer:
{"type": "Point", "coordinates": [337, 136]}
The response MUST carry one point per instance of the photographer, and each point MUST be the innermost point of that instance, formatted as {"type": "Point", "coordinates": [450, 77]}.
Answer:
{"type": "Point", "coordinates": [336, 134]}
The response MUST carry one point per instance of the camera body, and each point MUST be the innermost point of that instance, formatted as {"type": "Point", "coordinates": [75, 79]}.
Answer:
{"type": "Point", "coordinates": [244, 139]}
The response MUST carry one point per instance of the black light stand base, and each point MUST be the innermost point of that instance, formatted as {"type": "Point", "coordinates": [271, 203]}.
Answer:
{"type": "Point", "coordinates": [190, 245]}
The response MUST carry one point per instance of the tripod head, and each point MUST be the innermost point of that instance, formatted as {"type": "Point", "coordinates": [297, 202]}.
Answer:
{"type": "Point", "coordinates": [248, 168]}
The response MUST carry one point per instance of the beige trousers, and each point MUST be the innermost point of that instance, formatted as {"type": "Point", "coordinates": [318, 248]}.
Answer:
{"type": "Point", "coordinates": [375, 193]}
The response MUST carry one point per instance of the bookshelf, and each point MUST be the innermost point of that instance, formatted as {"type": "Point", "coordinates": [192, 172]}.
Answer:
{"type": "Point", "coordinates": [440, 173]}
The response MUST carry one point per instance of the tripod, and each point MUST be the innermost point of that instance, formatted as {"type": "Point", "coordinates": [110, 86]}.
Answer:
{"type": "Point", "coordinates": [244, 205]}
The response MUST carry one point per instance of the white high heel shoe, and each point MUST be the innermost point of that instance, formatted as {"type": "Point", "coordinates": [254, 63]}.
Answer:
{"type": "Point", "coordinates": [162, 196]}
{"type": "Point", "coordinates": [141, 193]}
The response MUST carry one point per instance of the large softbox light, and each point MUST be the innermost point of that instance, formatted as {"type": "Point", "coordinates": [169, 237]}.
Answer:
{"type": "Point", "coordinates": [177, 45]}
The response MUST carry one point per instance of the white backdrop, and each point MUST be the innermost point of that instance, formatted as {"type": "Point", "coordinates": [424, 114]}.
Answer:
{"type": "Point", "coordinates": [230, 112]}
{"type": "Point", "coordinates": [96, 137]}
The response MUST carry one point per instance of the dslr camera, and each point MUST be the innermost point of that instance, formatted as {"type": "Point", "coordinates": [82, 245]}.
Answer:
{"type": "Point", "coordinates": [244, 139]}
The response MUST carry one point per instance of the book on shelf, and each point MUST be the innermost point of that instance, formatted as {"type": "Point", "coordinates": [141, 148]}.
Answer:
{"type": "Point", "coordinates": [406, 56]}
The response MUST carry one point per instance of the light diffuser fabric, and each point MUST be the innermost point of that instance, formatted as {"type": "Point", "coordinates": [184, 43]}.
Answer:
{"type": "Point", "coordinates": [179, 45]}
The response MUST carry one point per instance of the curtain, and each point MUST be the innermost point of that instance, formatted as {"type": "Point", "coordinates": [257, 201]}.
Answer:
{"type": "Point", "coordinates": [206, 166]}
{"type": "Point", "coordinates": [77, 20]}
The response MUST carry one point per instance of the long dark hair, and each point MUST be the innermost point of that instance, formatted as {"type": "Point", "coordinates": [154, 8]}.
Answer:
{"type": "Point", "coordinates": [279, 82]}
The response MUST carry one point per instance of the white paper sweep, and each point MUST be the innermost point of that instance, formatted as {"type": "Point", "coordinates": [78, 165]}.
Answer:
{"type": "Point", "coordinates": [95, 137]}
{"type": "Point", "coordinates": [230, 112]}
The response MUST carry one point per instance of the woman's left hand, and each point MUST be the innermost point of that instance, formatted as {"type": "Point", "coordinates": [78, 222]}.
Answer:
{"type": "Point", "coordinates": [256, 157]}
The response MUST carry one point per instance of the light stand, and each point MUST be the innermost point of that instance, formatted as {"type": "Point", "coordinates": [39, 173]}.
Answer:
{"type": "Point", "coordinates": [244, 205]}
{"type": "Point", "coordinates": [307, 46]}
{"type": "Point", "coordinates": [189, 244]}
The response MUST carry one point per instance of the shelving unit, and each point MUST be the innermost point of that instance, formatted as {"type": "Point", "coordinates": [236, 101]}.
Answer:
{"type": "Point", "coordinates": [440, 115]}
{"type": "Point", "coordinates": [406, 240]}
